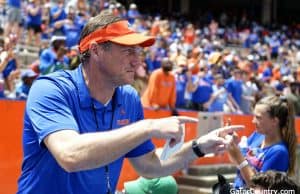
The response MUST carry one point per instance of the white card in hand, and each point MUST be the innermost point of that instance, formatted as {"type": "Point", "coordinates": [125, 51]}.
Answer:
{"type": "Point", "coordinates": [167, 150]}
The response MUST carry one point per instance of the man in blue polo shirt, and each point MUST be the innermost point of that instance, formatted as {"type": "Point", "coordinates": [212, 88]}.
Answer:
{"type": "Point", "coordinates": [79, 125]}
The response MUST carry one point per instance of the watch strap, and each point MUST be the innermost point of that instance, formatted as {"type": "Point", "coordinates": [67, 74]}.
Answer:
{"type": "Point", "coordinates": [243, 164]}
{"type": "Point", "coordinates": [196, 149]}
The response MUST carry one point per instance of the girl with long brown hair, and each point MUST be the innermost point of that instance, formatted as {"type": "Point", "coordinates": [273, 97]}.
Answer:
{"type": "Point", "coordinates": [272, 146]}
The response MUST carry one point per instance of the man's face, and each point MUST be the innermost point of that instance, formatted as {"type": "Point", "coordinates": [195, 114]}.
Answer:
{"type": "Point", "coordinates": [120, 63]}
{"type": "Point", "coordinates": [167, 66]}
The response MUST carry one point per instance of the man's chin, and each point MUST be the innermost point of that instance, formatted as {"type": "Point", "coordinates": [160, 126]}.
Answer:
{"type": "Point", "coordinates": [128, 81]}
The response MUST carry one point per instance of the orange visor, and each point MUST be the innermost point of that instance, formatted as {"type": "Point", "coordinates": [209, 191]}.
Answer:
{"type": "Point", "coordinates": [117, 32]}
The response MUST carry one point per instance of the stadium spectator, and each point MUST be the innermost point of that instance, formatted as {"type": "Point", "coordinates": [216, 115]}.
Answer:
{"type": "Point", "coordinates": [27, 78]}
{"type": "Point", "coordinates": [11, 69]}
{"type": "Point", "coordinates": [13, 18]}
{"type": "Point", "coordinates": [70, 27]}
{"type": "Point", "coordinates": [33, 22]}
{"type": "Point", "coordinates": [57, 13]}
{"type": "Point", "coordinates": [220, 100]}
{"type": "Point", "coordinates": [133, 13]}
{"type": "Point", "coordinates": [54, 58]}
{"type": "Point", "coordinates": [200, 89]}
{"type": "Point", "coordinates": [249, 90]}
{"type": "Point", "coordinates": [161, 90]}
{"type": "Point", "coordinates": [272, 146]}
{"type": "Point", "coordinates": [181, 78]}
{"type": "Point", "coordinates": [234, 86]}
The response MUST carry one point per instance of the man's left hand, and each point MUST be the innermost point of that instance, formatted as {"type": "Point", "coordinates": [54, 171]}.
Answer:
{"type": "Point", "coordinates": [215, 141]}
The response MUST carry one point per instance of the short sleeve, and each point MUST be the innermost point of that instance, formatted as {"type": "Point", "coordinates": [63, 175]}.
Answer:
{"type": "Point", "coordinates": [276, 159]}
{"type": "Point", "coordinates": [48, 109]}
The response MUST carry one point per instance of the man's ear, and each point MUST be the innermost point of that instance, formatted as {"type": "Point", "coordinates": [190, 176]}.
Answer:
{"type": "Point", "coordinates": [94, 49]}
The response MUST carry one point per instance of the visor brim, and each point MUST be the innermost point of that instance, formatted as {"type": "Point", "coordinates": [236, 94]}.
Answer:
{"type": "Point", "coordinates": [134, 39]}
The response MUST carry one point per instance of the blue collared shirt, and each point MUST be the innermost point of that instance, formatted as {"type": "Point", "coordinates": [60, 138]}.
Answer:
{"type": "Point", "coordinates": [62, 101]}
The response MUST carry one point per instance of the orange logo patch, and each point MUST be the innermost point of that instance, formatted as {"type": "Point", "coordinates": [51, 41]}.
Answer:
{"type": "Point", "coordinates": [123, 122]}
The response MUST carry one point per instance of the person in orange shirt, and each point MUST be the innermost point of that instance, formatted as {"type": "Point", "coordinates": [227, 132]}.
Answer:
{"type": "Point", "coordinates": [189, 34]}
{"type": "Point", "coordinates": [161, 90]}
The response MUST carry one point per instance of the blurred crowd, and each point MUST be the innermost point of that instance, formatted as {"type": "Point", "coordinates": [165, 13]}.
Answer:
{"type": "Point", "coordinates": [223, 63]}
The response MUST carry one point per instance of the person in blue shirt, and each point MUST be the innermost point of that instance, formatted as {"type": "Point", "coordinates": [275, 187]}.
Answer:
{"type": "Point", "coordinates": [234, 86]}
{"type": "Point", "coordinates": [133, 13]}
{"type": "Point", "coordinates": [79, 125]}
{"type": "Point", "coordinates": [272, 146]}
{"type": "Point", "coordinates": [201, 91]}
{"type": "Point", "coordinates": [181, 79]}
{"type": "Point", "coordinates": [57, 13]}
{"type": "Point", "coordinates": [70, 28]}
{"type": "Point", "coordinates": [54, 58]}
{"type": "Point", "coordinates": [10, 66]}
{"type": "Point", "coordinates": [27, 78]}
{"type": "Point", "coordinates": [220, 100]}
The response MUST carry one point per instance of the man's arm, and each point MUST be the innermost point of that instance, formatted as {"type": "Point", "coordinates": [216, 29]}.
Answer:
{"type": "Point", "coordinates": [75, 152]}
{"type": "Point", "coordinates": [150, 166]}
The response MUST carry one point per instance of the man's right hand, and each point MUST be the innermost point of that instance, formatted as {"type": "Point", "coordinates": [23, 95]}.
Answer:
{"type": "Point", "coordinates": [169, 128]}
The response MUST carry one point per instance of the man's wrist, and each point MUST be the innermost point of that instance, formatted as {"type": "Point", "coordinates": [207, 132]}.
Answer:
{"type": "Point", "coordinates": [196, 149]}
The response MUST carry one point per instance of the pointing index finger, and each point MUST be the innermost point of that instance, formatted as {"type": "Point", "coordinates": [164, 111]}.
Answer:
{"type": "Point", "coordinates": [223, 131]}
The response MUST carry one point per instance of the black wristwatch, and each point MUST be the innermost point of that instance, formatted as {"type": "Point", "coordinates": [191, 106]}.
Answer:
{"type": "Point", "coordinates": [196, 149]}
